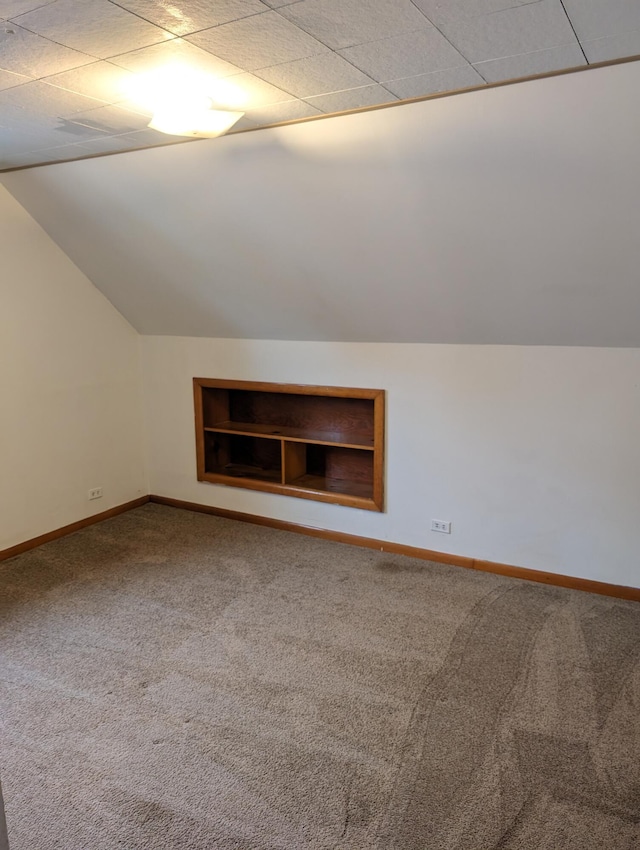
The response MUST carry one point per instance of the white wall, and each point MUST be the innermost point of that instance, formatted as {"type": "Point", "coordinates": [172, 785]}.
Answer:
{"type": "Point", "coordinates": [531, 452]}
{"type": "Point", "coordinates": [502, 216]}
{"type": "Point", "coordinates": [70, 412]}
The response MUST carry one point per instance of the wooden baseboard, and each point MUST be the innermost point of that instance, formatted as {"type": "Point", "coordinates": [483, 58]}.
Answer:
{"type": "Point", "coordinates": [588, 585]}
{"type": "Point", "coordinates": [69, 529]}
{"type": "Point", "coordinates": [600, 587]}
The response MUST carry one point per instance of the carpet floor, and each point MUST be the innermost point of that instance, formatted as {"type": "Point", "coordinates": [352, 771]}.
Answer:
{"type": "Point", "coordinates": [175, 681]}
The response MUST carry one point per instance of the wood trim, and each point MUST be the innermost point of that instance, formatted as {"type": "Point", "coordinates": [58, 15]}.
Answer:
{"type": "Point", "coordinates": [345, 499]}
{"type": "Point", "coordinates": [293, 389]}
{"type": "Point", "coordinates": [588, 585]}
{"type": "Point", "coordinates": [369, 496]}
{"type": "Point", "coordinates": [19, 548]}
{"type": "Point", "coordinates": [198, 419]}
{"type": "Point", "coordinates": [379, 452]}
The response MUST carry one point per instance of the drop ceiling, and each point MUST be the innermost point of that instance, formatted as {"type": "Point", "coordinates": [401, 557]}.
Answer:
{"type": "Point", "coordinates": [66, 65]}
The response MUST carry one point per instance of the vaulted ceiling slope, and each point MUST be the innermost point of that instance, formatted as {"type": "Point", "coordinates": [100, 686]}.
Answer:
{"type": "Point", "coordinates": [506, 215]}
{"type": "Point", "coordinates": [67, 66]}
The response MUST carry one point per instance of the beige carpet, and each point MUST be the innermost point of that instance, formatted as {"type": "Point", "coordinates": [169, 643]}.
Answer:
{"type": "Point", "coordinates": [175, 681]}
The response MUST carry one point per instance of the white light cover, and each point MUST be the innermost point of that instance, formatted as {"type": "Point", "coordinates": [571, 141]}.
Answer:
{"type": "Point", "coordinates": [187, 121]}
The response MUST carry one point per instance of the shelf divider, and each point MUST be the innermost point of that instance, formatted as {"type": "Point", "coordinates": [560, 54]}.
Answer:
{"type": "Point", "coordinates": [294, 461]}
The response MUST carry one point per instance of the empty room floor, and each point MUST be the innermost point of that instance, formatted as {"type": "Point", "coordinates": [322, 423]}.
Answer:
{"type": "Point", "coordinates": [179, 681]}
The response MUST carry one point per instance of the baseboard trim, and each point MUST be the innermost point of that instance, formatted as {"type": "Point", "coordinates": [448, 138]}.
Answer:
{"type": "Point", "coordinates": [587, 585]}
{"type": "Point", "coordinates": [19, 548]}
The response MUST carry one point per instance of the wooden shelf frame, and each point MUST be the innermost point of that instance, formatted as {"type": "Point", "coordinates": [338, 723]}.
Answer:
{"type": "Point", "coordinates": [313, 442]}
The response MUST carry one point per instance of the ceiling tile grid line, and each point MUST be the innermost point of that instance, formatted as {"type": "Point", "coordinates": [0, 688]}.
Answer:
{"type": "Point", "coordinates": [65, 66]}
{"type": "Point", "coordinates": [445, 37]}
{"type": "Point", "coordinates": [258, 42]}
{"type": "Point", "coordinates": [26, 52]}
{"type": "Point", "coordinates": [573, 29]}
{"type": "Point", "coordinates": [12, 8]}
{"type": "Point", "coordinates": [99, 28]}
{"type": "Point", "coordinates": [344, 23]}
{"type": "Point", "coordinates": [206, 15]}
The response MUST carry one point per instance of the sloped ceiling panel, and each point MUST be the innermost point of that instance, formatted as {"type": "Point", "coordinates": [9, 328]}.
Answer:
{"type": "Point", "coordinates": [506, 215]}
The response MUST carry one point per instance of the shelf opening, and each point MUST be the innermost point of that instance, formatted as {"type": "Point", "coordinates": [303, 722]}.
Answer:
{"type": "Point", "coordinates": [243, 457]}
{"type": "Point", "coordinates": [334, 469]}
{"type": "Point", "coordinates": [304, 412]}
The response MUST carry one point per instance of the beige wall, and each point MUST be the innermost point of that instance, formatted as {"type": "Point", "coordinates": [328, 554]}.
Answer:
{"type": "Point", "coordinates": [532, 453]}
{"type": "Point", "coordinates": [70, 414]}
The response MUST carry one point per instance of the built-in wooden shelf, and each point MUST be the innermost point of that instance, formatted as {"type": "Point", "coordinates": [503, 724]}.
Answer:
{"type": "Point", "coordinates": [324, 443]}
{"type": "Point", "coordinates": [300, 435]}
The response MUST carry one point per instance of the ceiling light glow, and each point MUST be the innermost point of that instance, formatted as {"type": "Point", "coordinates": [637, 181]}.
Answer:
{"type": "Point", "coordinates": [185, 102]}
{"type": "Point", "coordinates": [200, 123]}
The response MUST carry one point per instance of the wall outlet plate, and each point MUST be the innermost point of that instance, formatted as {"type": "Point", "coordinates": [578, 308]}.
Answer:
{"type": "Point", "coordinates": [95, 493]}
{"type": "Point", "coordinates": [441, 525]}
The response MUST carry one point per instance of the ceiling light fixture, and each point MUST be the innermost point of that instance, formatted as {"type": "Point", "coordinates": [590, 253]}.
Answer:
{"type": "Point", "coordinates": [181, 103]}
{"type": "Point", "coordinates": [185, 121]}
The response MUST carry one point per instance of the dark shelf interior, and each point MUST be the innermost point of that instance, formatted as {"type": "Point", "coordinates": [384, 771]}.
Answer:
{"type": "Point", "coordinates": [304, 415]}
{"type": "Point", "coordinates": [239, 456]}
{"type": "Point", "coordinates": [337, 470]}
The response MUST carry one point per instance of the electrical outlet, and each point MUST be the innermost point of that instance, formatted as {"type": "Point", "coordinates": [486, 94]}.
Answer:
{"type": "Point", "coordinates": [96, 493]}
{"type": "Point", "coordinates": [441, 525]}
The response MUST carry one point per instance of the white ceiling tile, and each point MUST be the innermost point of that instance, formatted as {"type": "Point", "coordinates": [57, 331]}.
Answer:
{"type": "Point", "coordinates": [103, 29]}
{"type": "Point", "coordinates": [72, 130]}
{"type": "Point", "coordinates": [8, 80]}
{"type": "Point", "coordinates": [100, 79]}
{"type": "Point", "coordinates": [440, 81]}
{"type": "Point", "coordinates": [12, 8]}
{"type": "Point", "coordinates": [442, 11]}
{"type": "Point", "coordinates": [613, 47]}
{"type": "Point", "coordinates": [61, 154]}
{"type": "Point", "coordinates": [405, 55]}
{"type": "Point", "coordinates": [317, 75]}
{"type": "Point", "coordinates": [598, 18]}
{"type": "Point", "coordinates": [21, 141]}
{"type": "Point", "coordinates": [48, 89]}
{"type": "Point", "coordinates": [16, 140]}
{"type": "Point", "coordinates": [42, 99]}
{"type": "Point", "coordinates": [184, 18]}
{"type": "Point", "coordinates": [522, 29]}
{"type": "Point", "coordinates": [255, 92]}
{"type": "Point", "coordinates": [15, 119]}
{"type": "Point", "coordinates": [104, 144]}
{"type": "Point", "coordinates": [258, 42]}
{"type": "Point", "coordinates": [15, 159]}
{"type": "Point", "coordinates": [23, 52]}
{"type": "Point", "coordinates": [289, 111]}
{"type": "Point", "coordinates": [352, 99]}
{"type": "Point", "coordinates": [343, 23]}
{"type": "Point", "coordinates": [111, 120]}
{"type": "Point", "coordinates": [527, 64]}
{"type": "Point", "coordinates": [149, 138]}
{"type": "Point", "coordinates": [176, 51]}
{"type": "Point", "coordinates": [30, 132]}
{"type": "Point", "coordinates": [134, 106]}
